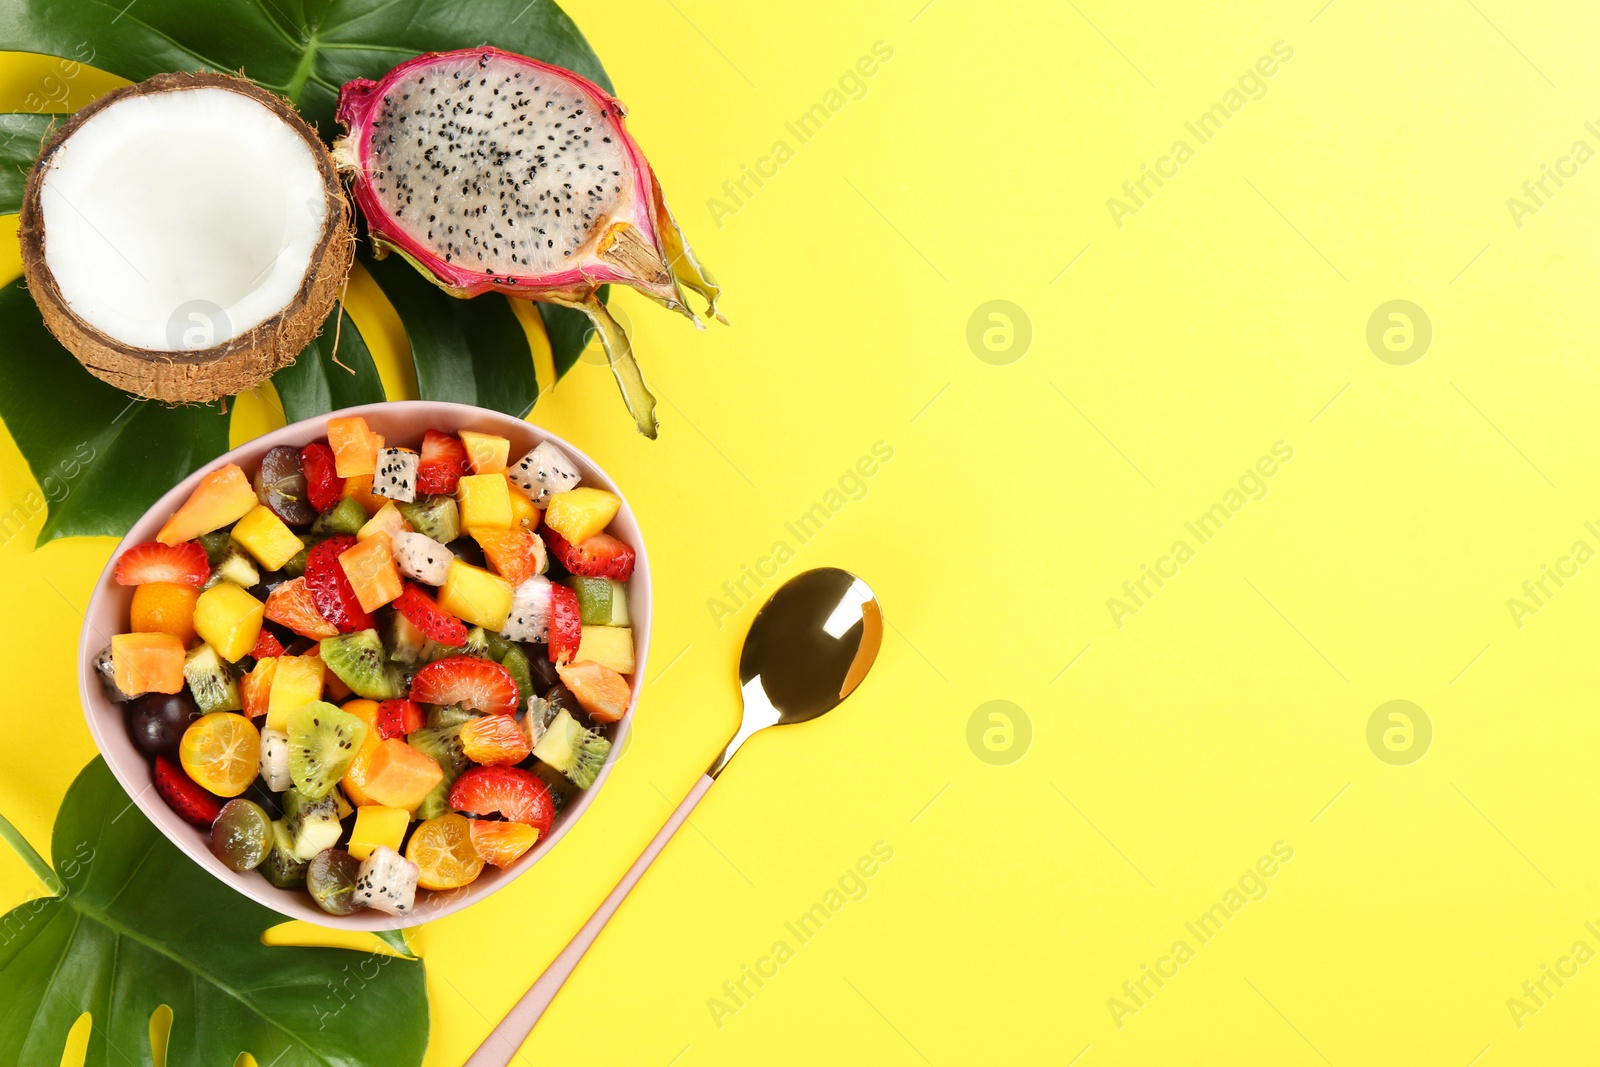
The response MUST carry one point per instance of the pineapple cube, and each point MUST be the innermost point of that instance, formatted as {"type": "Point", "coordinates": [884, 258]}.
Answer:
{"type": "Point", "coordinates": [579, 514]}
{"type": "Point", "coordinates": [388, 522]}
{"type": "Point", "coordinates": [267, 538]}
{"type": "Point", "coordinates": [228, 619]}
{"type": "Point", "coordinates": [487, 452]}
{"type": "Point", "coordinates": [475, 596]}
{"type": "Point", "coordinates": [372, 572]}
{"type": "Point", "coordinates": [147, 663]}
{"type": "Point", "coordinates": [609, 646]}
{"type": "Point", "coordinates": [377, 826]}
{"type": "Point", "coordinates": [296, 682]}
{"type": "Point", "coordinates": [221, 497]}
{"type": "Point", "coordinates": [524, 516]}
{"type": "Point", "coordinates": [485, 500]}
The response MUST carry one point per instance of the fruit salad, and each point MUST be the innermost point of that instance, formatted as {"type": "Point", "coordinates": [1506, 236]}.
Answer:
{"type": "Point", "coordinates": [368, 669]}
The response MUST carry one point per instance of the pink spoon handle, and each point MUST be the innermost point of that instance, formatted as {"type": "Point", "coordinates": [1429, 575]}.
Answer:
{"type": "Point", "coordinates": [501, 1046]}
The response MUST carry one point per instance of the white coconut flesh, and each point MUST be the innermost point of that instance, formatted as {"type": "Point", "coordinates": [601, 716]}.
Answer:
{"type": "Point", "coordinates": [178, 220]}
{"type": "Point", "coordinates": [497, 167]}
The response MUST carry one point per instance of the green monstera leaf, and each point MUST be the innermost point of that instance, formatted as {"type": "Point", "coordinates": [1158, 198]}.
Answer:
{"type": "Point", "coordinates": [305, 50]}
{"type": "Point", "coordinates": [131, 924]}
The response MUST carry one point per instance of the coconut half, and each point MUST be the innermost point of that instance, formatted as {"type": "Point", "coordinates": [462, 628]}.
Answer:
{"type": "Point", "coordinates": [185, 237]}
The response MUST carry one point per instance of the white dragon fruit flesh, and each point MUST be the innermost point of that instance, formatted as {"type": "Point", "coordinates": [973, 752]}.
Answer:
{"type": "Point", "coordinates": [396, 478]}
{"type": "Point", "coordinates": [275, 760]}
{"type": "Point", "coordinates": [529, 619]}
{"type": "Point", "coordinates": [491, 171]}
{"type": "Point", "coordinates": [543, 471]}
{"type": "Point", "coordinates": [387, 881]}
{"type": "Point", "coordinates": [420, 557]}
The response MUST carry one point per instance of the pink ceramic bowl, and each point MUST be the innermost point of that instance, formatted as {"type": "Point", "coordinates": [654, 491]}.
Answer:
{"type": "Point", "coordinates": [401, 422]}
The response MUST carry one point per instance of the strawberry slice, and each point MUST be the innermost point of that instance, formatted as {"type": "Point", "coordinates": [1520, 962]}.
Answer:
{"type": "Point", "coordinates": [267, 645]}
{"type": "Point", "coordinates": [291, 604]}
{"type": "Point", "coordinates": [396, 718]}
{"type": "Point", "coordinates": [330, 588]}
{"type": "Point", "coordinates": [324, 487]}
{"type": "Point", "coordinates": [476, 683]}
{"type": "Point", "coordinates": [184, 796]}
{"type": "Point", "coordinates": [566, 623]}
{"type": "Point", "coordinates": [443, 462]}
{"type": "Point", "coordinates": [601, 556]}
{"type": "Point", "coordinates": [184, 564]}
{"type": "Point", "coordinates": [510, 792]}
{"type": "Point", "coordinates": [430, 618]}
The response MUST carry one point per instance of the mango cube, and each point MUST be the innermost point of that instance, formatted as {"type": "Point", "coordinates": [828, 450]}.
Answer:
{"type": "Point", "coordinates": [476, 596]}
{"type": "Point", "coordinates": [388, 522]}
{"type": "Point", "coordinates": [228, 619]}
{"type": "Point", "coordinates": [609, 646]}
{"type": "Point", "coordinates": [485, 500]}
{"type": "Point", "coordinates": [267, 538]}
{"type": "Point", "coordinates": [579, 514]}
{"type": "Point", "coordinates": [487, 452]}
{"type": "Point", "coordinates": [296, 682]}
{"type": "Point", "coordinates": [222, 496]}
{"type": "Point", "coordinates": [377, 826]}
{"type": "Point", "coordinates": [372, 572]}
{"type": "Point", "coordinates": [147, 663]}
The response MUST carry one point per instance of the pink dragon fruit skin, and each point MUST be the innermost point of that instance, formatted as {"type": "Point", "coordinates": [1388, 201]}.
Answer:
{"type": "Point", "coordinates": [449, 130]}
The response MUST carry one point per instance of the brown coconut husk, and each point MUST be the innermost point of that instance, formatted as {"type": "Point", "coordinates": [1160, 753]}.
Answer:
{"type": "Point", "coordinates": [244, 361]}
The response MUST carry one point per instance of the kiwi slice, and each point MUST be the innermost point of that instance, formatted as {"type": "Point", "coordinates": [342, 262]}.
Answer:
{"type": "Point", "coordinates": [312, 825]}
{"type": "Point", "coordinates": [358, 660]}
{"type": "Point", "coordinates": [601, 601]}
{"type": "Point", "coordinates": [487, 644]}
{"type": "Point", "coordinates": [443, 744]}
{"type": "Point", "coordinates": [216, 544]}
{"type": "Point", "coordinates": [447, 715]}
{"type": "Point", "coordinates": [331, 880]}
{"type": "Point", "coordinates": [403, 638]}
{"type": "Point", "coordinates": [322, 742]}
{"type": "Point", "coordinates": [210, 680]}
{"type": "Point", "coordinates": [436, 516]}
{"type": "Point", "coordinates": [561, 788]}
{"type": "Point", "coordinates": [296, 567]}
{"type": "Point", "coordinates": [281, 868]}
{"type": "Point", "coordinates": [345, 517]}
{"type": "Point", "coordinates": [575, 751]}
{"type": "Point", "coordinates": [235, 567]}
{"type": "Point", "coordinates": [515, 661]}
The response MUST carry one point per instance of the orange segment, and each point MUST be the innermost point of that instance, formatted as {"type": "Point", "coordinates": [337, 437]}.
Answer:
{"type": "Point", "coordinates": [442, 850]}
{"type": "Point", "coordinates": [221, 752]}
{"type": "Point", "coordinates": [255, 688]}
{"type": "Point", "coordinates": [164, 608]}
{"type": "Point", "coordinates": [494, 740]}
{"type": "Point", "coordinates": [502, 843]}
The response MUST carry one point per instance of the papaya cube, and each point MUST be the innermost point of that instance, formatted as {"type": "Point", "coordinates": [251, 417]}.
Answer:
{"type": "Point", "coordinates": [377, 826]}
{"type": "Point", "coordinates": [485, 500]}
{"type": "Point", "coordinates": [476, 596]}
{"type": "Point", "coordinates": [524, 516]}
{"type": "Point", "coordinates": [373, 576]}
{"type": "Point", "coordinates": [487, 452]}
{"type": "Point", "coordinates": [609, 646]}
{"type": "Point", "coordinates": [388, 522]}
{"type": "Point", "coordinates": [355, 446]}
{"type": "Point", "coordinates": [360, 487]}
{"type": "Point", "coordinates": [229, 620]}
{"type": "Point", "coordinates": [223, 496]}
{"type": "Point", "coordinates": [267, 538]}
{"type": "Point", "coordinates": [355, 776]}
{"type": "Point", "coordinates": [398, 776]}
{"type": "Point", "coordinates": [147, 663]}
{"type": "Point", "coordinates": [296, 682]}
{"type": "Point", "coordinates": [579, 514]}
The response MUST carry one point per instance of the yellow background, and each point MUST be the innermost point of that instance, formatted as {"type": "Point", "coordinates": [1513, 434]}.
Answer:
{"type": "Point", "coordinates": [1230, 711]}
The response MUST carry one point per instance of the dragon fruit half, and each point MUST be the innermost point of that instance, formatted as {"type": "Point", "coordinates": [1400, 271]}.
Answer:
{"type": "Point", "coordinates": [492, 171]}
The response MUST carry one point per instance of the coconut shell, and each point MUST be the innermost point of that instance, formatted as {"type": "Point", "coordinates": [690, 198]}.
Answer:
{"type": "Point", "coordinates": [238, 364]}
